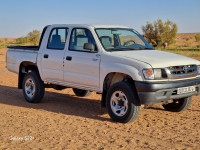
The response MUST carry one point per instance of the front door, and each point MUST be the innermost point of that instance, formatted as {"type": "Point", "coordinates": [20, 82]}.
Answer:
{"type": "Point", "coordinates": [81, 67]}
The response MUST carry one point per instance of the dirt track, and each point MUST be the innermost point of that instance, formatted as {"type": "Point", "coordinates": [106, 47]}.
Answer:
{"type": "Point", "coordinates": [64, 121]}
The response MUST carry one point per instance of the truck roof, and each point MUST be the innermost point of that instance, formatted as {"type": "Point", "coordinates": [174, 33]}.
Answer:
{"type": "Point", "coordinates": [90, 25]}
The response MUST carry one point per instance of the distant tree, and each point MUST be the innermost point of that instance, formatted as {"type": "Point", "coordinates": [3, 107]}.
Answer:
{"type": "Point", "coordinates": [1, 42]}
{"type": "Point", "coordinates": [6, 40]}
{"type": "Point", "coordinates": [160, 32]}
{"type": "Point", "coordinates": [197, 37]}
{"type": "Point", "coordinates": [22, 40]}
{"type": "Point", "coordinates": [34, 37]}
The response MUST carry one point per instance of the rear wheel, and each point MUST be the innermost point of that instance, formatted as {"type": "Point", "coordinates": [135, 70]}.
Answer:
{"type": "Point", "coordinates": [178, 104]}
{"type": "Point", "coordinates": [122, 103]}
{"type": "Point", "coordinates": [33, 87]}
{"type": "Point", "coordinates": [81, 93]}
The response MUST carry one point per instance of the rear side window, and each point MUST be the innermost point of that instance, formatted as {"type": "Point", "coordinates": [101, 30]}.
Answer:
{"type": "Point", "coordinates": [57, 38]}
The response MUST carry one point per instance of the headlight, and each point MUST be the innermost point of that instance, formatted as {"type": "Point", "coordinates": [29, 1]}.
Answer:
{"type": "Point", "coordinates": [152, 74]}
{"type": "Point", "coordinates": [157, 73]}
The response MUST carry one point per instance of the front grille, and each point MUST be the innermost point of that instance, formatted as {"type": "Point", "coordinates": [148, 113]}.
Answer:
{"type": "Point", "coordinates": [179, 70]}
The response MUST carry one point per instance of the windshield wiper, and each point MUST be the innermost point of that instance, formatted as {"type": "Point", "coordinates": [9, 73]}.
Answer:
{"type": "Point", "coordinates": [148, 48]}
{"type": "Point", "coordinates": [142, 48]}
{"type": "Point", "coordinates": [128, 48]}
{"type": "Point", "coordinates": [121, 49]}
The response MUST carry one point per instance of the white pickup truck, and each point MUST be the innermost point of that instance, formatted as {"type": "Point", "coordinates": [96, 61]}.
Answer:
{"type": "Point", "coordinates": [114, 61]}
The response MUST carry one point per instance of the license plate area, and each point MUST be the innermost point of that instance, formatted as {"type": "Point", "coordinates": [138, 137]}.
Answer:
{"type": "Point", "coordinates": [184, 90]}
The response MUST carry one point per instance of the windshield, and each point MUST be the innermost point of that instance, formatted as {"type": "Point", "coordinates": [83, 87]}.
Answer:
{"type": "Point", "coordinates": [114, 39]}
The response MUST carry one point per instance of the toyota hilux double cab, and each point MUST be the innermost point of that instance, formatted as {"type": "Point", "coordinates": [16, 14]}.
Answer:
{"type": "Point", "coordinates": [114, 61]}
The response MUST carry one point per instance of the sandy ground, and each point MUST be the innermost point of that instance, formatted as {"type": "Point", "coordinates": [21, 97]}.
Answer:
{"type": "Point", "coordinates": [64, 121]}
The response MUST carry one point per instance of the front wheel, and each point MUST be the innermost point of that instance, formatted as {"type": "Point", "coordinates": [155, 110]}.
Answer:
{"type": "Point", "coordinates": [178, 104]}
{"type": "Point", "coordinates": [33, 87]}
{"type": "Point", "coordinates": [122, 102]}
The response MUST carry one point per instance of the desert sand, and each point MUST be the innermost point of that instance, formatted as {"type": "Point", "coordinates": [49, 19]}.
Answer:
{"type": "Point", "coordinates": [64, 121]}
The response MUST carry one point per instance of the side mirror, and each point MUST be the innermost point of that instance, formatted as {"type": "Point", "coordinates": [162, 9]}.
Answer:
{"type": "Point", "coordinates": [89, 46]}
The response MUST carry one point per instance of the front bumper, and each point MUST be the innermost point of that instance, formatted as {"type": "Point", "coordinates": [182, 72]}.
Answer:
{"type": "Point", "coordinates": [151, 93]}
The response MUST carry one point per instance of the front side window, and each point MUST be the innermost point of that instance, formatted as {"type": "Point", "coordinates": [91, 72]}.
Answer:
{"type": "Point", "coordinates": [57, 38]}
{"type": "Point", "coordinates": [79, 37]}
{"type": "Point", "coordinates": [114, 39]}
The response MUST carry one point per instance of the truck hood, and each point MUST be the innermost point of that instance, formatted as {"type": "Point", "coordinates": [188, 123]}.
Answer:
{"type": "Point", "coordinates": [157, 59]}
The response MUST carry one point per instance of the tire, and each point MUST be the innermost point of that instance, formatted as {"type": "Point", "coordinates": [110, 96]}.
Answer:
{"type": "Point", "coordinates": [81, 93]}
{"type": "Point", "coordinates": [33, 87]}
{"type": "Point", "coordinates": [178, 104]}
{"type": "Point", "coordinates": [122, 103]}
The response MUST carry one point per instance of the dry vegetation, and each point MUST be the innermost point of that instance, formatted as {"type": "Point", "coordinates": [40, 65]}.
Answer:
{"type": "Point", "coordinates": [186, 45]}
{"type": "Point", "coordinates": [186, 41]}
{"type": "Point", "coordinates": [64, 121]}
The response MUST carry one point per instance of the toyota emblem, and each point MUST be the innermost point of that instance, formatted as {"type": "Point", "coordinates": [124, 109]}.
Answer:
{"type": "Point", "coordinates": [185, 68]}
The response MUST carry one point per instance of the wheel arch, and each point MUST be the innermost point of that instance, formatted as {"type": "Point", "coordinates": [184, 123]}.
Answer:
{"type": "Point", "coordinates": [112, 78]}
{"type": "Point", "coordinates": [25, 67]}
{"type": "Point", "coordinates": [133, 72]}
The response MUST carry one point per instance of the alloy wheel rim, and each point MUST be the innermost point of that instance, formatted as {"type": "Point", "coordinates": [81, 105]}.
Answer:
{"type": "Point", "coordinates": [30, 87]}
{"type": "Point", "coordinates": [119, 103]}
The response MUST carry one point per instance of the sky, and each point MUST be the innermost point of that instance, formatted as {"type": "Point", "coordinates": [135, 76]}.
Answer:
{"type": "Point", "coordinates": [19, 17]}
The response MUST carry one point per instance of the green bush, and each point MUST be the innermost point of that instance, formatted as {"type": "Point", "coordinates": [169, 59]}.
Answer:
{"type": "Point", "coordinates": [198, 46]}
{"type": "Point", "coordinates": [34, 37]}
{"type": "Point", "coordinates": [22, 40]}
{"type": "Point", "coordinates": [187, 44]}
{"type": "Point", "coordinates": [6, 40]}
{"type": "Point", "coordinates": [197, 37]}
{"type": "Point", "coordinates": [160, 32]}
{"type": "Point", "coordinates": [187, 39]}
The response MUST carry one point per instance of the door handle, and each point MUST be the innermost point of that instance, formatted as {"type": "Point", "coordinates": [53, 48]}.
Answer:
{"type": "Point", "coordinates": [46, 56]}
{"type": "Point", "coordinates": [69, 58]}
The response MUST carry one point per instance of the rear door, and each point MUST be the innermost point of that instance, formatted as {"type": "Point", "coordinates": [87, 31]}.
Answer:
{"type": "Point", "coordinates": [52, 59]}
{"type": "Point", "coordinates": [81, 67]}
